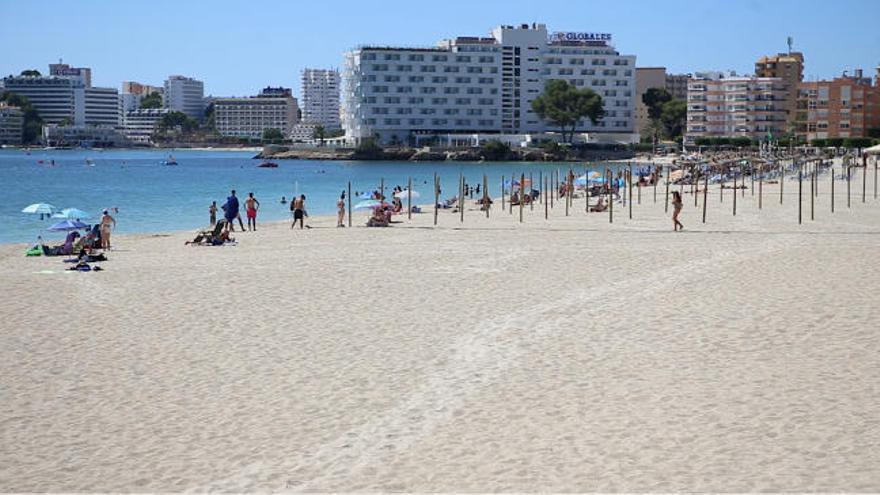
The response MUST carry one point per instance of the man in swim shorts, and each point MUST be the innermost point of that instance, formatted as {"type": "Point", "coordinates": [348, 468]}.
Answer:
{"type": "Point", "coordinates": [252, 205]}
{"type": "Point", "coordinates": [299, 210]}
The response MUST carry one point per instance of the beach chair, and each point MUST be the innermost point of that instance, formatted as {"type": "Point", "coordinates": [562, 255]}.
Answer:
{"type": "Point", "coordinates": [208, 236]}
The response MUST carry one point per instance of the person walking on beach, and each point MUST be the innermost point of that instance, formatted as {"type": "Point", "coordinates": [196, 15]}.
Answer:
{"type": "Point", "coordinates": [299, 210]}
{"type": "Point", "coordinates": [676, 210]}
{"type": "Point", "coordinates": [212, 210]}
{"type": "Point", "coordinates": [230, 212]}
{"type": "Point", "coordinates": [340, 211]}
{"type": "Point", "coordinates": [252, 205]}
{"type": "Point", "coordinates": [106, 222]}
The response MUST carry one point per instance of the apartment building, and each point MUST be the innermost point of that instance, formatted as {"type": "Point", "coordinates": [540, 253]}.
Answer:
{"type": "Point", "coordinates": [476, 85]}
{"type": "Point", "coordinates": [139, 125]}
{"type": "Point", "coordinates": [789, 67]}
{"type": "Point", "coordinates": [677, 85]}
{"type": "Point", "coordinates": [846, 106]}
{"type": "Point", "coordinates": [185, 94]}
{"type": "Point", "coordinates": [320, 97]}
{"type": "Point", "coordinates": [646, 78]}
{"type": "Point", "coordinates": [752, 107]}
{"type": "Point", "coordinates": [132, 93]}
{"type": "Point", "coordinates": [273, 108]}
{"type": "Point", "coordinates": [11, 124]}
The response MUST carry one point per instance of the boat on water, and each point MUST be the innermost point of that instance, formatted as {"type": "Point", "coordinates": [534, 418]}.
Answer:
{"type": "Point", "coordinates": [268, 165]}
{"type": "Point", "coordinates": [90, 162]}
{"type": "Point", "coordinates": [169, 162]}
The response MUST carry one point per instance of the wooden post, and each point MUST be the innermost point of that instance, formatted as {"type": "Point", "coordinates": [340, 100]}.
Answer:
{"type": "Point", "coordinates": [875, 176]}
{"type": "Point", "coordinates": [349, 203]}
{"type": "Point", "coordinates": [436, 197]}
{"type": "Point", "coordinates": [705, 195]}
{"type": "Point", "coordinates": [761, 188]}
{"type": "Point", "coordinates": [639, 189]}
{"type": "Point", "coordinates": [531, 186]}
{"type": "Point", "coordinates": [586, 189]}
{"type": "Point", "coordinates": [630, 192]}
{"type": "Point", "coordinates": [550, 185]}
{"type": "Point", "coordinates": [656, 180]}
{"type": "Point", "coordinates": [864, 175]}
{"type": "Point", "coordinates": [610, 197]}
{"type": "Point", "coordinates": [486, 194]}
{"type": "Point", "coordinates": [666, 207]}
{"type": "Point", "coordinates": [832, 189]}
{"type": "Point", "coordinates": [721, 186]}
{"type": "Point", "coordinates": [848, 187]}
{"type": "Point", "coordinates": [695, 185]}
{"type": "Point", "coordinates": [546, 197]}
{"type": "Point", "coordinates": [462, 202]}
{"type": "Point", "coordinates": [781, 181]}
{"type": "Point", "coordinates": [409, 198]}
{"type": "Point", "coordinates": [813, 194]}
{"type": "Point", "coordinates": [800, 195]}
{"type": "Point", "coordinates": [510, 203]}
{"type": "Point", "coordinates": [567, 198]}
{"type": "Point", "coordinates": [522, 195]}
{"type": "Point", "coordinates": [752, 173]}
{"type": "Point", "coordinates": [743, 182]}
{"type": "Point", "coordinates": [382, 189]}
{"type": "Point", "coordinates": [541, 185]}
{"type": "Point", "coordinates": [734, 195]}
{"type": "Point", "coordinates": [502, 194]}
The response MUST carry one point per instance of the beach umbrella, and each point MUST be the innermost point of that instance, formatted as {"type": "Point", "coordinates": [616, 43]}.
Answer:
{"type": "Point", "coordinates": [71, 213]}
{"type": "Point", "coordinates": [370, 203]}
{"type": "Point", "coordinates": [366, 195]}
{"type": "Point", "coordinates": [68, 225]}
{"type": "Point", "coordinates": [406, 194]}
{"type": "Point", "coordinates": [39, 208]}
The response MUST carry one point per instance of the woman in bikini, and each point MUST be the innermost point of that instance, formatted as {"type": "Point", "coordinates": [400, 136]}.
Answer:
{"type": "Point", "coordinates": [106, 222]}
{"type": "Point", "coordinates": [340, 211]}
{"type": "Point", "coordinates": [676, 210]}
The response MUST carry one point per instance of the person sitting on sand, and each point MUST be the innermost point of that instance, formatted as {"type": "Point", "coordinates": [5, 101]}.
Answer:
{"type": "Point", "coordinates": [600, 206]}
{"type": "Point", "coordinates": [398, 205]}
{"type": "Point", "coordinates": [514, 198]}
{"type": "Point", "coordinates": [378, 219]}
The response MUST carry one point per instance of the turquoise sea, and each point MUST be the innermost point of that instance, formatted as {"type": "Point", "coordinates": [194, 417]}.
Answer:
{"type": "Point", "coordinates": [155, 198]}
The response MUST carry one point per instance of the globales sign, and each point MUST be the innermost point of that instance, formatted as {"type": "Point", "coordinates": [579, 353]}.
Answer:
{"type": "Point", "coordinates": [580, 36]}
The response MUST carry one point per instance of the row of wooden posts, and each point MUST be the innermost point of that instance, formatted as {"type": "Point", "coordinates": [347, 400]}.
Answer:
{"type": "Point", "coordinates": [807, 169]}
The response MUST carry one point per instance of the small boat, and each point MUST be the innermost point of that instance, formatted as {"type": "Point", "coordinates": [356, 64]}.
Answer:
{"type": "Point", "coordinates": [169, 162]}
{"type": "Point", "coordinates": [268, 165]}
{"type": "Point", "coordinates": [90, 162]}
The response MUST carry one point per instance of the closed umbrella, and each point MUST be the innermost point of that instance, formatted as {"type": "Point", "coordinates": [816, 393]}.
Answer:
{"type": "Point", "coordinates": [68, 225]}
{"type": "Point", "coordinates": [75, 213]}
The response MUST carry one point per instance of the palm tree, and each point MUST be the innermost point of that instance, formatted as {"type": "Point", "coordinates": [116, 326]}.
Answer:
{"type": "Point", "coordinates": [320, 133]}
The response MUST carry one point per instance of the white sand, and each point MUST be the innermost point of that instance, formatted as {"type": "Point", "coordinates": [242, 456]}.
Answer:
{"type": "Point", "coordinates": [569, 355]}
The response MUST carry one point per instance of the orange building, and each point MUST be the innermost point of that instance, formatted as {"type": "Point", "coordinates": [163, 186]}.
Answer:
{"type": "Point", "coordinates": [847, 106]}
{"type": "Point", "coordinates": [790, 68]}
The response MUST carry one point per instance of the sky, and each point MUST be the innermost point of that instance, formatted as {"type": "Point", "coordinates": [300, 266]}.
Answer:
{"type": "Point", "coordinates": [237, 47]}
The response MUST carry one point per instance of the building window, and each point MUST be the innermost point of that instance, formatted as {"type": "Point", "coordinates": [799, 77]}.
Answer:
{"type": "Point", "coordinates": [450, 68]}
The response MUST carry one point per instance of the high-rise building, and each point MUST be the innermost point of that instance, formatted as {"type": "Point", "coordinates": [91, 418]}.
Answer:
{"type": "Point", "coordinates": [132, 93]}
{"type": "Point", "coordinates": [847, 106]}
{"type": "Point", "coordinates": [138, 125]}
{"type": "Point", "coordinates": [482, 85]}
{"type": "Point", "coordinates": [65, 97]}
{"type": "Point", "coordinates": [11, 124]}
{"type": "Point", "coordinates": [789, 67]}
{"type": "Point", "coordinates": [273, 108]}
{"type": "Point", "coordinates": [185, 94]}
{"type": "Point", "coordinates": [320, 94]}
{"type": "Point", "coordinates": [646, 78]}
{"type": "Point", "coordinates": [752, 107]}
{"type": "Point", "coordinates": [677, 85]}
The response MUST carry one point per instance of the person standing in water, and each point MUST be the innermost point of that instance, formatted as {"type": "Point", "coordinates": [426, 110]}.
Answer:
{"type": "Point", "coordinates": [212, 210]}
{"type": "Point", "coordinates": [107, 222]}
{"type": "Point", "coordinates": [299, 210]}
{"type": "Point", "coordinates": [252, 205]}
{"type": "Point", "coordinates": [340, 211]}
{"type": "Point", "coordinates": [676, 210]}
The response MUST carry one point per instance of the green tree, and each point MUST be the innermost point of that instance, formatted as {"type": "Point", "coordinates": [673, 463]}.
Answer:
{"type": "Point", "coordinates": [32, 126]}
{"type": "Point", "coordinates": [495, 150]}
{"type": "Point", "coordinates": [367, 149]}
{"type": "Point", "coordinates": [654, 98]}
{"type": "Point", "coordinates": [210, 120]}
{"type": "Point", "coordinates": [672, 117]}
{"type": "Point", "coordinates": [152, 100]}
{"type": "Point", "coordinates": [174, 121]}
{"type": "Point", "coordinates": [564, 105]}
{"type": "Point", "coordinates": [272, 135]}
{"type": "Point", "coordinates": [320, 134]}
{"type": "Point", "coordinates": [31, 72]}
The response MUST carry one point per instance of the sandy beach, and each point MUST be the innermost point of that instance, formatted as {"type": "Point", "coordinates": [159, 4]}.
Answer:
{"type": "Point", "coordinates": [568, 354]}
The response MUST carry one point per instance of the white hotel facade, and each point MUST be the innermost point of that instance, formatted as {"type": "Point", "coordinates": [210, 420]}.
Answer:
{"type": "Point", "coordinates": [473, 85]}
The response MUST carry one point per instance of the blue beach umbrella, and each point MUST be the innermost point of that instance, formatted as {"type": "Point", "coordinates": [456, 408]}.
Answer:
{"type": "Point", "coordinates": [366, 195]}
{"type": "Point", "coordinates": [39, 208]}
{"type": "Point", "coordinates": [71, 213]}
{"type": "Point", "coordinates": [370, 203]}
{"type": "Point", "coordinates": [66, 225]}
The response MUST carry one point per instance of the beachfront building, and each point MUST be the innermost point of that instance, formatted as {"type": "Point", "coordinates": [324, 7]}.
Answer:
{"type": "Point", "coordinates": [82, 136]}
{"type": "Point", "coordinates": [185, 94]}
{"type": "Point", "coordinates": [303, 132]}
{"type": "Point", "coordinates": [139, 125]}
{"type": "Point", "coordinates": [732, 106]}
{"type": "Point", "coordinates": [11, 124]}
{"type": "Point", "coordinates": [132, 93]}
{"type": "Point", "coordinates": [482, 85]}
{"type": "Point", "coordinates": [320, 97]}
{"type": "Point", "coordinates": [273, 108]}
{"type": "Point", "coordinates": [66, 98]}
{"type": "Point", "coordinates": [677, 85]}
{"type": "Point", "coordinates": [789, 67]}
{"type": "Point", "coordinates": [847, 106]}
{"type": "Point", "coordinates": [81, 74]}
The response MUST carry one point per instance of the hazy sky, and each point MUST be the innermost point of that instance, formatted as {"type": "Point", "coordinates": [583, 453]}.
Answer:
{"type": "Point", "coordinates": [237, 47]}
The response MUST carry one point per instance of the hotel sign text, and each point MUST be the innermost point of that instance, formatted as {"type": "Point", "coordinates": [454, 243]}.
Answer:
{"type": "Point", "coordinates": [580, 37]}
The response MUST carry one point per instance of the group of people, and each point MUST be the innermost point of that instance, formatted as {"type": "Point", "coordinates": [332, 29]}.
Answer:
{"type": "Point", "coordinates": [231, 212]}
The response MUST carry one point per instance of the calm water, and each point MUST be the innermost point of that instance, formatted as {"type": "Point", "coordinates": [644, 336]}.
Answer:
{"type": "Point", "coordinates": [155, 198]}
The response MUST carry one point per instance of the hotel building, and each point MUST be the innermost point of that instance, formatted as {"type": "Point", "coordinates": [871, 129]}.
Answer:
{"type": "Point", "coordinates": [185, 94]}
{"type": "Point", "coordinates": [11, 124]}
{"type": "Point", "coordinates": [273, 108]}
{"type": "Point", "coordinates": [67, 98]}
{"type": "Point", "coordinates": [790, 68]}
{"type": "Point", "coordinates": [656, 77]}
{"type": "Point", "coordinates": [138, 125]}
{"type": "Point", "coordinates": [752, 107]}
{"type": "Point", "coordinates": [320, 97]}
{"type": "Point", "coordinates": [474, 85]}
{"type": "Point", "coordinates": [132, 93]}
{"type": "Point", "coordinates": [847, 106]}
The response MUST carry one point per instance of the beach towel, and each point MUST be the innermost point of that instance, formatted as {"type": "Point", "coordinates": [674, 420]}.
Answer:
{"type": "Point", "coordinates": [34, 251]}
